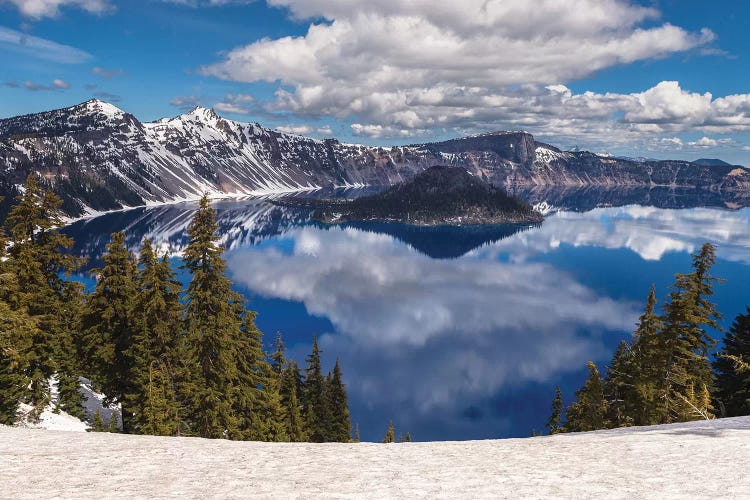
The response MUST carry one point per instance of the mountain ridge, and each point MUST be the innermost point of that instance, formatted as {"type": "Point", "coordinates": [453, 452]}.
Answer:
{"type": "Point", "coordinates": [98, 157]}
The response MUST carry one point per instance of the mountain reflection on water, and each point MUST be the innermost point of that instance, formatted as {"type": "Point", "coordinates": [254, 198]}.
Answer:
{"type": "Point", "coordinates": [460, 332]}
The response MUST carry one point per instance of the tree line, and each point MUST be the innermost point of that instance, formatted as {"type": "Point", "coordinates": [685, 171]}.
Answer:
{"type": "Point", "coordinates": [177, 362]}
{"type": "Point", "coordinates": [664, 374]}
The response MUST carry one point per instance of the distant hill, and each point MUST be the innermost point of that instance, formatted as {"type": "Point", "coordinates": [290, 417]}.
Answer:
{"type": "Point", "coordinates": [440, 195]}
{"type": "Point", "coordinates": [713, 162]}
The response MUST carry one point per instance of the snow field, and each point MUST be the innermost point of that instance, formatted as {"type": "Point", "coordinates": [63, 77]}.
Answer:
{"type": "Point", "coordinates": [693, 460]}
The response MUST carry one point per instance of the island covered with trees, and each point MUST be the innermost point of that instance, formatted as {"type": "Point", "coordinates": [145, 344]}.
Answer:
{"type": "Point", "coordinates": [440, 195]}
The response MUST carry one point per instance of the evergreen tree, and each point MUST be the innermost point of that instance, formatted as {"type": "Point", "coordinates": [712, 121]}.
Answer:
{"type": "Point", "coordinates": [248, 390]}
{"type": "Point", "coordinates": [272, 421]}
{"type": "Point", "coordinates": [17, 332]}
{"type": "Point", "coordinates": [407, 438]}
{"type": "Point", "coordinates": [589, 411]}
{"type": "Point", "coordinates": [647, 361]}
{"type": "Point", "coordinates": [278, 358]}
{"type": "Point", "coordinates": [98, 423]}
{"type": "Point", "coordinates": [38, 260]}
{"type": "Point", "coordinates": [68, 351]}
{"type": "Point", "coordinates": [213, 327]}
{"type": "Point", "coordinates": [316, 407]}
{"type": "Point", "coordinates": [684, 368]}
{"type": "Point", "coordinates": [157, 348]}
{"type": "Point", "coordinates": [356, 434]}
{"type": "Point", "coordinates": [113, 419]}
{"type": "Point", "coordinates": [390, 435]}
{"type": "Point", "coordinates": [340, 427]}
{"type": "Point", "coordinates": [109, 326]}
{"type": "Point", "coordinates": [295, 425]}
{"type": "Point", "coordinates": [553, 424]}
{"type": "Point", "coordinates": [733, 374]}
{"type": "Point", "coordinates": [620, 387]}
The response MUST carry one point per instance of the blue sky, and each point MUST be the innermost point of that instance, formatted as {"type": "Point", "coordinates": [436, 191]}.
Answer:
{"type": "Point", "coordinates": [665, 79]}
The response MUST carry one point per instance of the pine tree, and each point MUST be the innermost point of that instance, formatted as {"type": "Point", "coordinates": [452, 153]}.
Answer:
{"type": "Point", "coordinates": [157, 349]}
{"type": "Point", "coordinates": [340, 427]}
{"type": "Point", "coordinates": [37, 258]}
{"type": "Point", "coordinates": [732, 381]}
{"type": "Point", "coordinates": [295, 425]}
{"type": "Point", "coordinates": [272, 422]}
{"type": "Point", "coordinates": [98, 423]}
{"type": "Point", "coordinates": [553, 424]}
{"type": "Point", "coordinates": [278, 358]}
{"type": "Point", "coordinates": [407, 438]}
{"type": "Point", "coordinates": [647, 360]}
{"type": "Point", "coordinates": [17, 332]}
{"type": "Point", "coordinates": [356, 434]}
{"type": "Point", "coordinates": [316, 407]}
{"type": "Point", "coordinates": [113, 419]}
{"type": "Point", "coordinates": [620, 387]}
{"type": "Point", "coordinates": [390, 435]}
{"type": "Point", "coordinates": [589, 411]}
{"type": "Point", "coordinates": [109, 326]}
{"type": "Point", "coordinates": [213, 331]}
{"type": "Point", "coordinates": [248, 390]}
{"type": "Point", "coordinates": [684, 367]}
{"type": "Point", "coordinates": [68, 351]}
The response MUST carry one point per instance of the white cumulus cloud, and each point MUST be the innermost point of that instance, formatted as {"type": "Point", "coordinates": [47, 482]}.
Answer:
{"type": "Point", "coordinates": [405, 67]}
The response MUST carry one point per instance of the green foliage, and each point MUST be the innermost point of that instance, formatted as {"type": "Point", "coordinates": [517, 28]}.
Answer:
{"type": "Point", "coordinates": [647, 365]}
{"type": "Point", "coordinates": [157, 350]}
{"type": "Point", "coordinates": [733, 369]}
{"type": "Point", "coordinates": [213, 332]}
{"type": "Point", "coordinates": [176, 367]}
{"type": "Point", "coordinates": [42, 300]}
{"type": "Point", "coordinates": [98, 424]}
{"type": "Point", "coordinates": [620, 387]}
{"type": "Point", "coordinates": [315, 403]}
{"type": "Point", "coordinates": [113, 420]}
{"type": "Point", "coordinates": [684, 343]}
{"type": "Point", "coordinates": [589, 411]}
{"type": "Point", "coordinates": [109, 326]}
{"type": "Point", "coordinates": [340, 426]}
{"type": "Point", "coordinates": [553, 423]}
{"type": "Point", "coordinates": [665, 375]}
{"type": "Point", "coordinates": [17, 331]}
{"type": "Point", "coordinates": [390, 435]}
{"type": "Point", "coordinates": [278, 358]}
{"type": "Point", "coordinates": [295, 425]}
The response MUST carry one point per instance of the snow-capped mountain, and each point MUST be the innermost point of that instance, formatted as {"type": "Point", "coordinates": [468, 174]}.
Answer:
{"type": "Point", "coordinates": [98, 158]}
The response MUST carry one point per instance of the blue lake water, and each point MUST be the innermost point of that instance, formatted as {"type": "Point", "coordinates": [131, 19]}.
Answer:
{"type": "Point", "coordinates": [454, 333]}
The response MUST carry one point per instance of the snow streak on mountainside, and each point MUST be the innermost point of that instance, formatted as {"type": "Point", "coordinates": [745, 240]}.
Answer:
{"type": "Point", "coordinates": [98, 157]}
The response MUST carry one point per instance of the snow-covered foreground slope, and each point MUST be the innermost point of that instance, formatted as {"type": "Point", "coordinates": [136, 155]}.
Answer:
{"type": "Point", "coordinates": [695, 460]}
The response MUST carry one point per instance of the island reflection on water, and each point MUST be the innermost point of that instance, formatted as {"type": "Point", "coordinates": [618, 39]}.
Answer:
{"type": "Point", "coordinates": [453, 333]}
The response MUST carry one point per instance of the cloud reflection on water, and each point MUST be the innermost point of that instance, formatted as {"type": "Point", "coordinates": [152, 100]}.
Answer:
{"type": "Point", "coordinates": [447, 331]}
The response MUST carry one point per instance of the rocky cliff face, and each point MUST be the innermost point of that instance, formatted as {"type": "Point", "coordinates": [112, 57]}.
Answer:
{"type": "Point", "coordinates": [98, 157]}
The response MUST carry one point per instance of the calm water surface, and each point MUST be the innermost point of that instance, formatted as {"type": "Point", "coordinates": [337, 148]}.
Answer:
{"type": "Point", "coordinates": [455, 333]}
